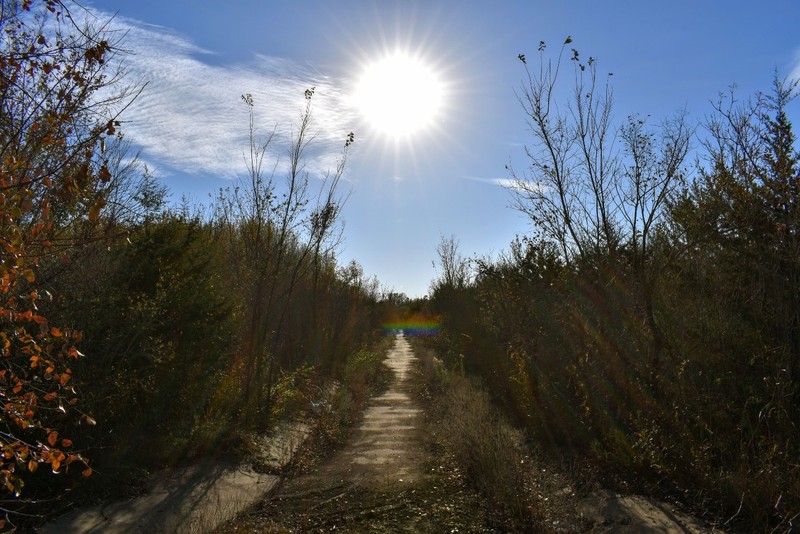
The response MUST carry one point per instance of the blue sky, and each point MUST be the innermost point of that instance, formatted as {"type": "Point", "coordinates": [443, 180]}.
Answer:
{"type": "Point", "coordinates": [198, 56]}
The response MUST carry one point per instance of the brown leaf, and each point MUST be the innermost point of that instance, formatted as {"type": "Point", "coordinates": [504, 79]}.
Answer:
{"type": "Point", "coordinates": [104, 174]}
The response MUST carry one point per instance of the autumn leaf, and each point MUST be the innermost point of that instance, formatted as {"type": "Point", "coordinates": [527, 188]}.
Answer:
{"type": "Point", "coordinates": [94, 211]}
{"type": "Point", "coordinates": [55, 332]}
{"type": "Point", "coordinates": [66, 443]}
{"type": "Point", "coordinates": [87, 472]}
{"type": "Point", "coordinates": [33, 465]}
{"type": "Point", "coordinates": [104, 174]}
{"type": "Point", "coordinates": [52, 438]}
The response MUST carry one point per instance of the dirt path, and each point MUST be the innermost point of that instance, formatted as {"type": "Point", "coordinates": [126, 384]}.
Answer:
{"type": "Point", "coordinates": [386, 450]}
{"type": "Point", "coordinates": [382, 481]}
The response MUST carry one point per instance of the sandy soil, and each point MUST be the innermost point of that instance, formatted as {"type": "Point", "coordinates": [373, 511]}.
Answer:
{"type": "Point", "coordinates": [194, 499]}
{"type": "Point", "coordinates": [636, 514]}
{"type": "Point", "coordinates": [197, 499]}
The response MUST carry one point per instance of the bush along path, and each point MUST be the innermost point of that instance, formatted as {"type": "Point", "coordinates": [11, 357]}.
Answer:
{"type": "Point", "coordinates": [385, 479]}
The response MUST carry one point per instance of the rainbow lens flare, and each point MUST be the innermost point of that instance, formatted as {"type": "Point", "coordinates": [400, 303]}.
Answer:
{"type": "Point", "coordinates": [412, 327]}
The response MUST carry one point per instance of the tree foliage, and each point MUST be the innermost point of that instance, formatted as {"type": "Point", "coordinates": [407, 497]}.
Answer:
{"type": "Point", "coordinates": [54, 126]}
{"type": "Point", "coordinates": [650, 322]}
{"type": "Point", "coordinates": [284, 236]}
{"type": "Point", "coordinates": [581, 190]}
{"type": "Point", "coordinates": [197, 328]}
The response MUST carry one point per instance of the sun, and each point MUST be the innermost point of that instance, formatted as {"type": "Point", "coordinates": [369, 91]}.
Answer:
{"type": "Point", "coordinates": [399, 95]}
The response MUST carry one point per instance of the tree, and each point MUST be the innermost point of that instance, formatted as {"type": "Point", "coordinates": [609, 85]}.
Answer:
{"type": "Point", "coordinates": [598, 203]}
{"type": "Point", "coordinates": [567, 189]}
{"type": "Point", "coordinates": [581, 191]}
{"type": "Point", "coordinates": [455, 268]}
{"type": "Point", "coordinates": [60, 99]}
{"type": "Point", "coordinates": [743, 215]}
{"type": "Point", "coordinates": [282, 234]}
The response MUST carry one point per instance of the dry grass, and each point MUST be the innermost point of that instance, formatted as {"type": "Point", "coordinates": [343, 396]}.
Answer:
{"type": "Point", "coordinates": [526, 492]}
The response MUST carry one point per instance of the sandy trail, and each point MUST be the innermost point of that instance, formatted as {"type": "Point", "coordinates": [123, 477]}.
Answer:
{"type": "Point", "coordinates": [386, 449]}
{"type": "Point", "coordinates": [381, 481]}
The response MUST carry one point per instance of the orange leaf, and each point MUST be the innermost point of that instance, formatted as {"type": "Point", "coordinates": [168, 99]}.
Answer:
{"type": "Point", "coordinates": [87, 472]}
{"type": "Point", "coordinates": [55, 332]}
{"type": "Point", "coordinates": [50, 396]}
{"type": "Point", "coordinates": [52, 438]}
{"type": "Point", "coordinates": [33, 465]}
{"type": "Point", "coordinates": [66, 443]}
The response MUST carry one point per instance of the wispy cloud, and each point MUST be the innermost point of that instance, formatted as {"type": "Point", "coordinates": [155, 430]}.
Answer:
{"type": "Point", "coordinates": [502, 182]}
{"type": "Point", "coordinates": [190, 117]}
{"type": "Point", "coordinates": [511, 183]}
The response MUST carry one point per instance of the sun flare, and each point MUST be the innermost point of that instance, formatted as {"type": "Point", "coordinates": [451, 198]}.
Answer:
{"type": "Point", "coordinates": [399, 95]}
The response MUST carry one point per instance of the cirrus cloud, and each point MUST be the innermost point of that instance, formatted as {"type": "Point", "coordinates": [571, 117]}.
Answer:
{"type": "Point", "coordinates": [190, 118]}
